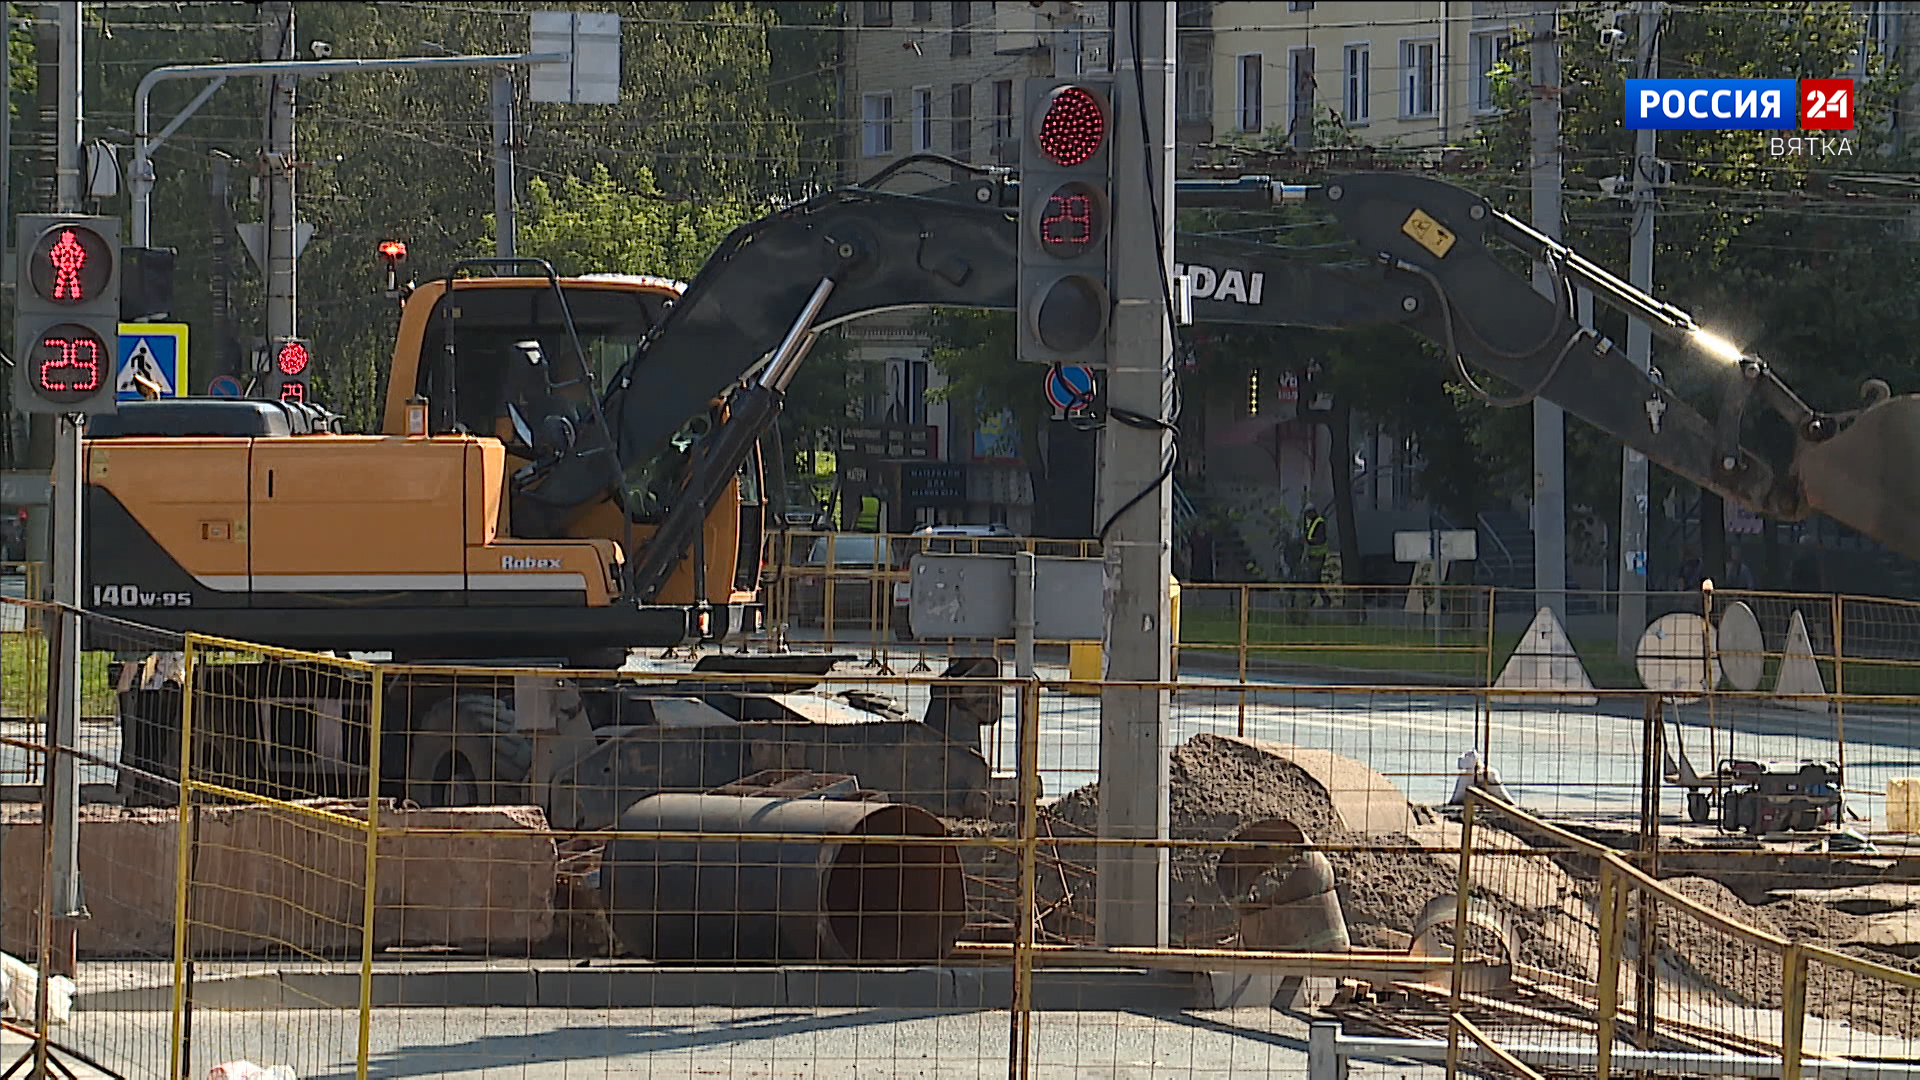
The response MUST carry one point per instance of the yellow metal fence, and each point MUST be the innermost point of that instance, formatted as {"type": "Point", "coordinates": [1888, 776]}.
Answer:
{"type": "Point", "coordinates": [290, 910]}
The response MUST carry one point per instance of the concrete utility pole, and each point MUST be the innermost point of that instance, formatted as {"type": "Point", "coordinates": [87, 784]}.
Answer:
{"type": "Point", "coordinates": [276, 43]}
{"type": "Point", "coordinates": [1549, 423]}
{"type": "Point", "coordinates": [1132, 905]}
{"type": "Point", "coordinates": [63, 713]}
{"type": "Point", "coordinates": [503, 225]}
{"type": "Point", "coordinates": [1634, 491]}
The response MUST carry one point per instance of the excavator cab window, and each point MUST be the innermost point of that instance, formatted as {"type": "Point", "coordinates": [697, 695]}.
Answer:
{"type": "Point", "coordinates": [490, 325]}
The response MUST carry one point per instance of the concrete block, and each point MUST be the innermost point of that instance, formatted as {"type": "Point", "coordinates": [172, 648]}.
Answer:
{"type": "Point", "coordinates": [661, 987]}
{"type": "Point", "coordinates": [265, 882]}
{"type": "Point", "coordinates": [1102, 990]}
{"type": "Point", "coordinates": [1305, 994]}
{"type": "Point", "coordinates": [1238, 989]}
{"type": "Point", "coordinates": [458, 986]}
{"type": "Point", "coordinates": [982, 988]}
{"type": "Point", "coordinates": [850, 988]}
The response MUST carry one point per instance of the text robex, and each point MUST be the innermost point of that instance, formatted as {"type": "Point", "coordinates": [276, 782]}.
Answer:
{"type": "Point", "coordinates": [1227, 286]}
{"type": "Point", "coordinates": [508, 562]}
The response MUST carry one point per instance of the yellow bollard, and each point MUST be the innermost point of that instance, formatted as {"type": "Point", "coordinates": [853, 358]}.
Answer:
{"type": "Point", "coordinates": [1085, 658]}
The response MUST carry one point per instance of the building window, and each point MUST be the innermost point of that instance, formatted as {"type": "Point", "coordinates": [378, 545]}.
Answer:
{"type": "Point", "coordinates": [961, 41]}
{"type": "Point", "coordinates": [922, 118]}
{"type": "Point", "coordinates": [1359, 83]}
{"type": "Point", "coordinates": [1489, 51]}
{"type": "Point", "coordinates": [1883, 27]}
{"type": "Point", "coordinates": [1299, 5]}
{"type": "Point", "coordinates": [1003, 109]}
{"type": "Point", "coordinates": [923, 11]}
{"type": "Point", "coordinates": [876, 110]}
{"type": "Point", "coordinates": [1418, 60]}
{"type": "Point", "coordinates": [1300, 98]}
{"type": "Point", "coordinates": [1247, 94]}
{"type": "Point", "coordinates": [963, 121]}
{"type": "Point", "coordinates": [874, 13]}
{"type": "Point", "coordinates": [1194, 89]}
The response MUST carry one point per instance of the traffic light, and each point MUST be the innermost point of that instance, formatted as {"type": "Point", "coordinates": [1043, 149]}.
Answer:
{"type": "Point", "coordinates": [1066, 214]}
{"type": "Point", "coordinates": [288, 360]}
{"type": "Point", "coordinates": [66, 339]}
{"type": "Point", "coordinates": [146, 283]}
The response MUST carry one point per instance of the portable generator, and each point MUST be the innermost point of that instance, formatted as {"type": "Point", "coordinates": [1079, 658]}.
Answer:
{"type": "Point", "coordinates": [1779, 796]}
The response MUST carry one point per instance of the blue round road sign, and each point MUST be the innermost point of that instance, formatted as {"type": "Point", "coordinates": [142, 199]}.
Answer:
{"type": "Point", "coordinates": [224, 386]}
{"type": "Point", "coordinates": [1070, 386]}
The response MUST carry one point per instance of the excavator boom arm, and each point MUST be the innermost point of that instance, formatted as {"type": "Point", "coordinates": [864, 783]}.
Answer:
{"type": "Point", "coordinates": [1431, 267]}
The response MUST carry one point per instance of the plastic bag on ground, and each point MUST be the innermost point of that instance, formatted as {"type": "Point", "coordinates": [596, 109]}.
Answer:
{"type": "Point", "coordinates": [247, 1070]}
{"type": "Point", "coordinates": [19, 984]}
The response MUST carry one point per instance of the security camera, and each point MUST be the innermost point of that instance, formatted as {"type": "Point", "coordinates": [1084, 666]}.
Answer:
{"type": "Point", "coordinates": [1612, 37]}
{"type": "Point", "coordinates": [322, 50]}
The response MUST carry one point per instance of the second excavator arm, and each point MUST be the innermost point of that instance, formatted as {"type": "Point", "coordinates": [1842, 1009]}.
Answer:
{"type": "Point", "coordinates": [1430, 266]}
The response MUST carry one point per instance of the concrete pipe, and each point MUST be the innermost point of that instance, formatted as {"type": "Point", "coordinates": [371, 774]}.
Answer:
{"type": "Point", "coordinates": [792, 896]}
{"type": "Point", "coordinates": [1284, 895]}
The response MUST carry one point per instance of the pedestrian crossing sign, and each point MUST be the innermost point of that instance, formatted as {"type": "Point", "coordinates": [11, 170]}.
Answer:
{"type": "Point", "coordinates": [153, 353]}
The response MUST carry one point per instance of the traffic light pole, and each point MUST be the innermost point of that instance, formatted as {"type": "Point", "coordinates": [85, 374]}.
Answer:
{"type": "Point", "coordinates": [1135, 492]}
{"type": "Point", "coordinates": [63, 711]}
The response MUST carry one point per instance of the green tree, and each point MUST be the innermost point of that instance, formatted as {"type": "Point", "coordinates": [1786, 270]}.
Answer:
{"type": "Point", "coordinates": [1774, 253]}
{"type": "Point", "coordinates": [600, 225]}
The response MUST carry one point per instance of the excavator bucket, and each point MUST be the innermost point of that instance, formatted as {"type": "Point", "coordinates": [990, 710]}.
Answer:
{"type": "Point", "coordinates": [1868, 476]}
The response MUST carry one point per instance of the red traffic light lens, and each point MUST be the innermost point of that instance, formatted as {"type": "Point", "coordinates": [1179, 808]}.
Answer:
{"type": "Point", "coordinates": [68, 364]}
{"type": "Point", "coordinates": [1074, 128]}
{"type": "Point", "coordinates": [71, 265]}
{"type": "Point", "coordinates": [292, 359]}
{"type": "Point", "coordinates": [393, 250]}
{"type": "Point", "coordinates": [1073, 220]}
{"type": "Point", "coordinates": [293, 391]}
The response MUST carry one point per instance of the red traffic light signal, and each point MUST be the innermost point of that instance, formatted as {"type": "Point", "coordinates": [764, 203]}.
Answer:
{"type": "Point", "coordinates": [68, 363]}
{"type": "Point", "coordinates": [292, 358]}
{"type": "Point", "coordinates": [70, 265]}
{"type": "Point", "coordinates": [1074, 127]}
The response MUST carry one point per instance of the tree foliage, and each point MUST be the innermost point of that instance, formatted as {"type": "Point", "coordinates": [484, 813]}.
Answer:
{"type": "Point", "coordinates": [600, 225]}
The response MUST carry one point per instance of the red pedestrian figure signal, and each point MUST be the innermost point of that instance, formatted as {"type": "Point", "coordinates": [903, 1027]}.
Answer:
{"type": "Point", "coordinates": [71, 265]}
{"type": "Point", "coordinates": [68, 256]}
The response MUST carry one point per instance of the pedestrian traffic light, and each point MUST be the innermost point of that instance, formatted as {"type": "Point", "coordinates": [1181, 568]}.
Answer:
{"type": "Point", "coordinates": [287, 371]}
{"type": "Point", "coordinates": [1066, 213]}
{"type": "Point", "coordinates": [66, 338]}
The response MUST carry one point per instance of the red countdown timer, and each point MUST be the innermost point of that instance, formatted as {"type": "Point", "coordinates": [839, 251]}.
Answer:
{"type": "Point", "coordinates": [293, 391]}
{"type": "Point", "coordinates": [71, 265]}
{"type": "Point", "coordinates": [68, 364]}
{"type": "Point", "coordinates": [1074, 220]}
{"type": "Point", "coordinates": [1074, 128]}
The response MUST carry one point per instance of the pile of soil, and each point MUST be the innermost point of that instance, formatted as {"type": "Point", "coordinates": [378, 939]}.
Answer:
{"type": "Point", "coordinates": [1702, 957]}
{"type": "Point", "coordinates": [1218, 786]}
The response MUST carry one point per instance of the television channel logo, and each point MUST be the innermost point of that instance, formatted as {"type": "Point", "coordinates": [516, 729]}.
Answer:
{"type": "Point", "coordinates": [1740, 104]}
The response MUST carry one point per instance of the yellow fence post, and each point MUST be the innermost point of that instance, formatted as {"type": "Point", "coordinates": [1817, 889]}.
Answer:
{"type": "Point", "coordinates": [369, 902]}
{"type": "Point", "coordinates": [1609, 976]}
{"type": "Point", "coordinates": [1019, 1056]}
{"type": "Point", "coordinates": [183, 862]}
{"type": "Point", "coordinates": [1462, 889]}
{"type": "Point", "coordinates": [1246, 597]}
{"type": "Point", "coordinates": [1793, 1011]}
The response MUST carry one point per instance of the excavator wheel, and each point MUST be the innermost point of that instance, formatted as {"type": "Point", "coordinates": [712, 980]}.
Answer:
{"type": "Point", "coordinates": [465, 752]}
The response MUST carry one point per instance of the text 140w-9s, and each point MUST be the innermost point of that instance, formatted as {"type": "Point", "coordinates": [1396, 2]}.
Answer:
{"type": "Point", "coordinates": [135, 596]}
